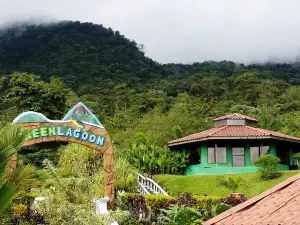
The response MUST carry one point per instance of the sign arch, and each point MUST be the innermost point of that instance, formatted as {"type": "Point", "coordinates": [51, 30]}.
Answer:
{"type": "Point", "coordinates": [79, 126]}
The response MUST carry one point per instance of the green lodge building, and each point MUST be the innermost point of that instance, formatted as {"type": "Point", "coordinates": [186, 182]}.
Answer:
{"type": "Point", "coordinates": [233, 145]}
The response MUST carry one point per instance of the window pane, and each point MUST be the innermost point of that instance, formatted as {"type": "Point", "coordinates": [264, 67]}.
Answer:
{"type": "Point", "coordinates": [221, 155]}
{"type": "Point", "coordinates": [211, 155]}
{"type": "Point", "coordinates": [264, 150]}
{"type": "Point", "coordinates": [254, 153]}
{"type": "Point", "coordinates": [238, 151]}
{"type": "Point", "coordinates": [238, 160]}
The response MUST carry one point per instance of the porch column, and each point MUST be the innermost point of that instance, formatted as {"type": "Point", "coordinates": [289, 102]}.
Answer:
{"type": "Point", "coordinates": [204, 154]}
{"type": "Point", "coordinates": [247, 155]}
{"type": "Point", "coordinates": [291, 157]}
{"type": "Point", "coordinates": [272, 150]}
{"type": "Point", "coordinates": [216, 154]}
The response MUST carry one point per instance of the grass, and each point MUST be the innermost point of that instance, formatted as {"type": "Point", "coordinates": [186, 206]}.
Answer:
{"type": "Point", "coordinates": [208, 184]}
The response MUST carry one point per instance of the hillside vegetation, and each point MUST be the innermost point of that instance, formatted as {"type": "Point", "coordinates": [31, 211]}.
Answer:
{"type": "Point", "coordinates": [49, 68]}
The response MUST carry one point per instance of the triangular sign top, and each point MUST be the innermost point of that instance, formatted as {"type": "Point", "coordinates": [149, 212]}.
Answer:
{"type": "Point", "coordinates": [82, 113]}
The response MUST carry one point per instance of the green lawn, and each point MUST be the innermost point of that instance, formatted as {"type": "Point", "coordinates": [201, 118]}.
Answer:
{"type": "Point", "coordinates": [208, 184]}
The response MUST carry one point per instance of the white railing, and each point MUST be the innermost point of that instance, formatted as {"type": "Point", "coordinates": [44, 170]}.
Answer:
{"type": "Point", "coordinates": [143, 189]}
{"type": "Point", "coordinates": [149, 186]}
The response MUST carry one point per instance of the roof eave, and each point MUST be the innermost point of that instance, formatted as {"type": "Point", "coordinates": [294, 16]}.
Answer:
{"type": "Point", "coordinates": [232, 138]}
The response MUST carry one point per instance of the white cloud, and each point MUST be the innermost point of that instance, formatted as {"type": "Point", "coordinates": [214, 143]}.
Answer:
{"type": "Point", "coordinates": [182, 30]}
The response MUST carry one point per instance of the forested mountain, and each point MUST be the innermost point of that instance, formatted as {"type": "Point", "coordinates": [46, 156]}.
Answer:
{"type": "Point", "coordinates": [80, 53]}
{"type": "Point", "coordinates": [48, 68]}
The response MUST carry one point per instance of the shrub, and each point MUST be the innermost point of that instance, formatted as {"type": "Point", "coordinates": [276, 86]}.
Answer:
{"type": "Point", "coordinates": [34, 218]}
{"type": "Point", "coordinates": [186, 199]}
{"type": "Point", "coordinates": [122, 217]}
{"type": "Point", "coordinates": [267, 166]}
{"type": "Point", "coordinates": [151, 205]}
{"type": "Point", "coordinates": [206, 201]}
{"type": "Point", "coordinates": [156, 202]}
{"type": "Point", "coordinates": [197, 201]}
{"type": "Point", "coordinates": [234, 199]}
{"type": "Point", "coordinates": [222, 208]}
{"type": "Point", "coordinates": [147, 205]}
{"type": "Point", "coordinates": [18, 209]}
{"type": "Point", "coordinates": [134, 203]}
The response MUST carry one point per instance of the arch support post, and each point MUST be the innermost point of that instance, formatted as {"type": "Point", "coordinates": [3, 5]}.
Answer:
{"type": "Point", "coordinates": [109, 176]}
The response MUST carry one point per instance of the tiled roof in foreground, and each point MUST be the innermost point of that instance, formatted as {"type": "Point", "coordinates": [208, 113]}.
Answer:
{"type": "Point", "coordinates": [233, 132]}
{"type": "Point", "coordinates": [278, 205]}
{"type": "Point", "coordinates": [235, 116]}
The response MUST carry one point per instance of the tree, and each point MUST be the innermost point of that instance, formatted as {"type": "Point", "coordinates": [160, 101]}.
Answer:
{"type": "Point", "coordinates": [12, 184]}
{"type": "Point", "coordinates": [177, 132]}
{"type": "Point", "coordinates": [27, 92]}
{"type": "Point", "coordinates": [246, 88]}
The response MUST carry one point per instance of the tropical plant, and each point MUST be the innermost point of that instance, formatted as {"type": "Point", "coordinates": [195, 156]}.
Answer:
{"type": "Point", "coordinates": [79, 160]}
{"type": "Point", "coordinates": [230, 183]}
{"type": "Point", "coordinates": [181, 215]}
{"type": "Point", "coordinates": [297, 156]}
{"type": "Point", "coordinates": [267, 166]}
{"type": "Point", "coordinates": [153, 159]}
{"type": "Point", "coordinates": [12, 183]}
{"type": "Point", "coordinates": [125, 177]}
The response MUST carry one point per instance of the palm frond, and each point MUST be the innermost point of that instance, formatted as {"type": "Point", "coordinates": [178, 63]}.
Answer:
{"type": "Point", "coordinates": [23, 177]}
{"type": "Point", "coordinates": [8, 193]}
{"type": "Point", "coordinates": [11, 140]}
{"type": "Point", "coordinates": [12, 137]}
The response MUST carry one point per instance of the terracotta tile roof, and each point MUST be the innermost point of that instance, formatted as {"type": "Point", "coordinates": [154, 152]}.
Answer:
{"type": "Point", "coordinates": [233, 132]}
{"type": "Point", "coordinates": [278, 205]}
{"type": "Point", "coordinates": [235, 116]}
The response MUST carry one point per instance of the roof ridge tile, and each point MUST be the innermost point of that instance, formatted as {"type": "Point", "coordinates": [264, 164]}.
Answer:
{"type": "Point", "coordinates": [235, 116]}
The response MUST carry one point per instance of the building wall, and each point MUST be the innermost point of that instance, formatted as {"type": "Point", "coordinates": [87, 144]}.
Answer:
{"type": "Point", "coordinates": [205, 168]}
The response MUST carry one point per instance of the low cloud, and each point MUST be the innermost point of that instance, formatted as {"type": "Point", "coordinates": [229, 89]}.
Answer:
{"type": "Point", "coordinates": [183, 31]}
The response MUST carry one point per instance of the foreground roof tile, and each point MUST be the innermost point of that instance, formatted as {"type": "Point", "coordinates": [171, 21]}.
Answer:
{"type": "Point", "coordinates": [278, 205]}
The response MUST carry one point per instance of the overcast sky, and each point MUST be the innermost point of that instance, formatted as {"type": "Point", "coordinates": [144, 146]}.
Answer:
{"type": "Point", "coordinates": [183, 30]}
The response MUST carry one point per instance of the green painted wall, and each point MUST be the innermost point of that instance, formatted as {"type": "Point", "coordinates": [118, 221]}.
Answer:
{"type": "Point", "coordinates": [204, 168]}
